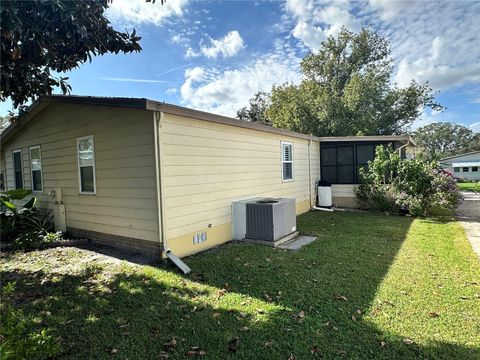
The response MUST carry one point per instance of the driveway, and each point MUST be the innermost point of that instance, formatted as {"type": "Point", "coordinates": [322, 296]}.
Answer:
{"type": "Point", "coordinates": [469, 215]}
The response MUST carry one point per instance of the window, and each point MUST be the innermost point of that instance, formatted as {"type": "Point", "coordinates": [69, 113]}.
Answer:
{"type": "Point", "coordinates": [86, 165]}
{"type": "Point", "coordinates": [2, 181]}
{"type": "Point", "coordinates": [474, 168]}
{"type": "Point", "coordinates": [17, 169]}
{"type": "Point", "coordinates": [36, 168]}
{"type": "Point", "coordinates": [465, 169]}
{"type": "Point", "coordinates": [287, 161]}
{"type": "Point", "coordinates": [456, 169]}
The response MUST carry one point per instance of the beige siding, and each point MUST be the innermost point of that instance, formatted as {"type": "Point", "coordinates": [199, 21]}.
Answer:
{"type": "Point", "coordinates": [207, 165]}
{"type": "Point", "coordinates": [125, 200]}
{"type": "Point", "coordinates": [344, 196]}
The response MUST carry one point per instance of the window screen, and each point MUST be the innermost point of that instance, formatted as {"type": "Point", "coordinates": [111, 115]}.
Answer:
{"type": "Point", "coordinates": [36, 167]}
{"type": "Point", "coordinates": [341, 162]}
{"type": "Point", "coordinates": [86, 164]}
{"type": "Point", "coordinates": [465, 169]}
{"type": "Point", "coordinates": [474, 168]}
{"type": "Point", "coordinates": [456, 169]}
{"type": "Point", "coordinates": [17, 169]}
{"type": "Point", "coordinates": [287, 161]}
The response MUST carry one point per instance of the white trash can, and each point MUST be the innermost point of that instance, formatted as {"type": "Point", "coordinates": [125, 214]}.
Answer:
{"type": "Point", "coordinates": [324, 194]}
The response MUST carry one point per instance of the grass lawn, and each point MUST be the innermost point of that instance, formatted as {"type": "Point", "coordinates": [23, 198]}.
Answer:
{"type": "Point", "coordinates": [469, 186]}
{"type": "Point", "coordinates": [371, 286]}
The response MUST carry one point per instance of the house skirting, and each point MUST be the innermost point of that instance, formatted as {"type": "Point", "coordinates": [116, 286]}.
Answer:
{"type": "Point", "coordinates": [147, 248]}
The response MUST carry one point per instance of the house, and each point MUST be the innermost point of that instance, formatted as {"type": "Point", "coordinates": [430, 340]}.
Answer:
{"type": "Point", "coordinates": [147, 176]}
{"type": "Point", "coordinates": [463, 166]}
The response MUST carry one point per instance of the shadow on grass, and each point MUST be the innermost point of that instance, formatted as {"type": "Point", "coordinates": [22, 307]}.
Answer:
{"type": "Point", "coordinates": [289, 301]}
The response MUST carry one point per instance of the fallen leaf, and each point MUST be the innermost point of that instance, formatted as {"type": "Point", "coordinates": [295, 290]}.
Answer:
{"type": "Point", "coordinates": [433, 314]}
{"type": "Point", "coordinates": [268, 343]}
{"type": "Point", "coordinates": [314, 349]}
{"type": "Point", "coordinates": [113, 351]}
{"type": "Point", "coordinates": [383, 343]}
{"type": "Point", "coordinates": [301, 314]}
{"type": "Point", "coordinates": [244, 328]}
{"type": "Point", "coordinates": [340, 297]}
{"type": "Point", "coordinates": [195, 351]}
{"type": "Point", "coordinates": [341, 352]}
{"type": "Point", "coordinates": [163, 355]}
{"type": "Point", "coordinates": [233, 344]}
{"type": "Point", "coordinates": [327, 323]}
{"type": "Point", "coordinates": [354, 318]}
{"type": "Point", "coordinates": [359, 312]}
{"type": "Point", "coordinates": [194, 309]}
{"type": "Point", "coordinates": [292, 357]}
{"type": "Point", "coordinates": [216, 314]}
{"type": "Point", "coordinates": [242, 314]}
{"type": "Point", "coordinates": [170, 345]}
{"type": "Point", "coordinates": [408, 341]}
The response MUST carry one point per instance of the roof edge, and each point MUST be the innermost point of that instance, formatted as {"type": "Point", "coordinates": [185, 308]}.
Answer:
{"type": "Point", "coordinates": [454, 156]}
{"type": "Point", "coordinates": [220, 119]}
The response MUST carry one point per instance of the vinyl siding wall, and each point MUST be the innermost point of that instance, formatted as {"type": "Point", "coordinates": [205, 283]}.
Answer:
{"type": "Point", "coordinates": [206, 166]}
{"type": "Point", "coordinates": [125, 199]}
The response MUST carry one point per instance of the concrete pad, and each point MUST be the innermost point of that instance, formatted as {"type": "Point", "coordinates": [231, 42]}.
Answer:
{"type": "Point", "coordinates": [298, 243]}
{"type": "Point", "coordinates": [273, 243]}
{"type": "Point", "coordinates": [472, 229]}
{"type": "Point", "coordinates": [468, 214]}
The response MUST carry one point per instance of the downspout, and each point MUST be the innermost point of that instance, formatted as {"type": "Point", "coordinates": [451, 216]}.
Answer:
{"type": "Point", "coordinates": [309, 174]}
{"type": "Point", "coordinates": [156, 124]}
{"type": "Point", "coordinates": [158, 118]}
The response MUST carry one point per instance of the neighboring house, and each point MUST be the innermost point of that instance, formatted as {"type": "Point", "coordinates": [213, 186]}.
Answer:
{"type": "Point", "coordinates": [464, 166]}
{"type": "Point", "coordinates": [147, 176]}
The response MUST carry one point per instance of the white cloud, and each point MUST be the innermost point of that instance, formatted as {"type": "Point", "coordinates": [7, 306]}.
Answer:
{"type": "Point", "coordinates": [136, 12]}
{"type": "Point", "coordinates": [316, 20]}
{"type": "Point", "coordinates": [227, 46]}
{"type": "Point", "coordinates": [190, 53]}
{"type": "Point", "coordinates": [388, 9]}
{"type": "Point", "coordinates": [226, 91]}
{"type": "Point", "coordinates": [171, 91]}
{"type": "Point", "coordinates": [475, 127]}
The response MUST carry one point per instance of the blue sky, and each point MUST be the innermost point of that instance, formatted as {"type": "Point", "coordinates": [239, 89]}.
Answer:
{"type": "Point", "coordinates": [214, 55]}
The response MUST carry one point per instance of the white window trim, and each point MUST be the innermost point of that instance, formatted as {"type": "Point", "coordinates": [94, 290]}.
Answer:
{"type": "Point", "coordinates": [31, 168]}
{"type": "Point", "coordinates": [94, 192]}
{"type": "Point", "coordinates": [282, 143]}
{"type": "Point", "coordinates": [21, 166]}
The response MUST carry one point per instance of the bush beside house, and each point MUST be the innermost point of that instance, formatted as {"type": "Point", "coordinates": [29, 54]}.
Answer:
{"type": "Point", "coordinates": [416, 187]}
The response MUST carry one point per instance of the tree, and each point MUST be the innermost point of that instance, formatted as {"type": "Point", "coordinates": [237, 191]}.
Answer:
{"type": "Point", "coordinates": [444, 139]}
{"type": "Point", "coordinates": [256, 111]}
{"type": "Point", "coordinates": [40, 38]}
{"type": "Point", "coordinates": [4, 122]}
{"type": "Point", "coordinates": [346, 90]}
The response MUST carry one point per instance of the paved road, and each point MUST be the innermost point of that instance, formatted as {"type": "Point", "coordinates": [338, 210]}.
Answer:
{"type": "Point", "coordinates": [469, 215]}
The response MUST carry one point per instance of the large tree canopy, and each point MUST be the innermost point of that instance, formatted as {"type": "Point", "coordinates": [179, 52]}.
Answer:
{"type": "Point", "coordinates": [438, 140]}
{"type": "Point", "coordinates": [256, 111]}
{"type": "Point", "coordinates": [42, 37]}
{"type": "Point", "coordinates": [347, 90]}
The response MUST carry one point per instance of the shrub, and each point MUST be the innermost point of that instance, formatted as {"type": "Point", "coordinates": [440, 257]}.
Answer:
{"type": "Point", "coordinates": [414, 186]}
{"type": "Point", "coordinates": [25, 225]}
{"type": "Point", "coordinates": [22, 338]}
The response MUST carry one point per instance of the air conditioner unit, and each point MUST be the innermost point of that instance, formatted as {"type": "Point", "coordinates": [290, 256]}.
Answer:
{"type": "Point", "coordinates": [239, 217]}
{"type": "Point", "coordinates": [270, 219]}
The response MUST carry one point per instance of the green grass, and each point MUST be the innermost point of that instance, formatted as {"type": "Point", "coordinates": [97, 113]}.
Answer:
{"type": "Point", "coordinates": [473, 186]}
{"type": "Point", "coordinates": [365, 286]}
